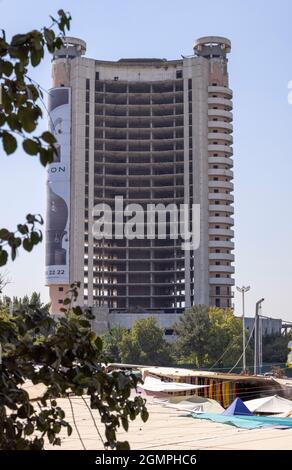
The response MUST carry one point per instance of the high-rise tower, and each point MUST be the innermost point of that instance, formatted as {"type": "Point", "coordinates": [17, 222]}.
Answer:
{"type": "Point", "coordinates": [148, 131]}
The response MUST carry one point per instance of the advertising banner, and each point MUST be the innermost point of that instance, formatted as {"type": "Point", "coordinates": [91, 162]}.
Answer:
{"type": "Point", "coordinates": [58, 189]}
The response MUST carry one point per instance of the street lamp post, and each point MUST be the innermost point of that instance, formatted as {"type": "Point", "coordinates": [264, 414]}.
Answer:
{"type": "Point", "coordinates": [243, 290]}
{"type": "Point", "coordinates": [257, 338]}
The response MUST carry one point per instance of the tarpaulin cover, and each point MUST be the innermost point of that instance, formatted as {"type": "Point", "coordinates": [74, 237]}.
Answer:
{"type": "Point", "coordinates": [193, 403]}
{"type": "Point", "coordinates": [156, 385]}
{"type": "Point", "coordinates": [269, 405]}
{"type": "Point", "coordinates": [246, 422]}
{"type": "Point", "coordinates": [237, 407]}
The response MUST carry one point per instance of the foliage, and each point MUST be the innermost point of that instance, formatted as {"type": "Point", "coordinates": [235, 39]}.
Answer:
{"type": "Point", "coordinates": [65, 355]}
{"type": "Point", "coordinates": [20, 113]}
{"type": "Point", "coordinates": [193, 331]}
{"type": "Point", "coordinates": [275, 348]}
{"type": "Point", "coordinates": [144, 344]}
{"type": "Point", "coordinates": [226, 332]}
{"type": "Point", "coordinates": [206, 333]}
{"type": "Point", "coordinates": [111, 343]}
{"type": "Point", "coordinates": [19, 303]}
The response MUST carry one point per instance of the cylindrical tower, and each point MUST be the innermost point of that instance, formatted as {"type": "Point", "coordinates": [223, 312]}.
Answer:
{"type": "Point", "coordinates": [220, 172]}
{"type": "Point", "coordinates": [60, 204]}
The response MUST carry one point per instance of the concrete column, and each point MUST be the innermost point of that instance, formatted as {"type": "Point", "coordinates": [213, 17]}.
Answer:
{"type": "Point", "coordinates": [200, 71]}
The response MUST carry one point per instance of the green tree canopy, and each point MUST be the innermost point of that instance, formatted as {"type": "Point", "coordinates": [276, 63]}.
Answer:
{"type": "Point", "coordinates": [204, 334]}
{"type": "Point", "coordinates": [111, 343]}
{"type": "Point", "coordinates": [275, 348]}
{"type": "Point", "coordinates": [144, 344]}
{"type": "Point", "coordinates": [193, 331]}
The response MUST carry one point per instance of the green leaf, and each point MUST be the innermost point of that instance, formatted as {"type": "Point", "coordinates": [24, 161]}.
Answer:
{"type": "Point", "coordinates": [84, 323]}
{"type": "Point", "coordinates": [125, 423]}
{"type": "Point", "coordinates": [3, 257]}
{"type": "Point", "coordinates": [57, 428]}
{"type": "Point", "coordinates": [13, 122]}
{"type": "Point", "coordinates": [33, 92]}
{"type": "Point", "coordinates": [123, 445]}
{"type": "Point", "coordinates": [35, 57]}
{"type": "Point", "coordinates": [58, 43]}
{"type": "Point", "coordinates": [46, 156]}
{"type": "Point", "coordinates": [2, 119]}
{"type": "Point", "coordinates": [22, 228]}
{"type": "Point", "coordinates": [98, 343]}
{"type": "Point", "coordinates": [13, 253]}
{"type": "Point", "coordinates": [60, 412]}
{"type": "Point", "coordinates": [6, 67]}
{"type": "Point", "coordinates": [48, 137]}
{"type": "Point", "coordinates": [110, 434]}
{"type": "Point", "coordinates": [19, 39]}
{"type": "Point", "coordinates": [4, 234]}
{"type": "Point", "coordinates": [51, 436]}
{"type": "Point", "coordinates": [29, 429]}
{"type": "Point", "coordinates": [49, 35]}
{"type": "Point", "coordinates": [9, 142]}
{"type": "Point", "coordinates": [144, 415]}
{"type": "Point", "coordinates": [27, 244]}
{"type": "Point", "coordinates": [77, 310]}
{"type": "Point", "coordinates": [35, 238]}
{"type": "Point", "coordinates": [28, 116]}
{"type": "Point", "coordinates": [30, 146]}
{"type": "Point", "coordinates": [22, 412]}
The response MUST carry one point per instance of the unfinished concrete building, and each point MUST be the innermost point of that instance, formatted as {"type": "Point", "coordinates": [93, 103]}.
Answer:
{"type": "Point", "coordinates": [150, 131]}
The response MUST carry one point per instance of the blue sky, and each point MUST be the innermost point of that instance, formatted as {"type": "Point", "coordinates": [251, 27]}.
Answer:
{"type": "Point", "coordinates": [260, 68]}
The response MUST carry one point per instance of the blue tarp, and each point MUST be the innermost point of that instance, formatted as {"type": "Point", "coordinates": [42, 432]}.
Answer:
{"type": "Point", "coordinates": [246, 422]}
{"type": "Point", "coordinates": [237, 407]}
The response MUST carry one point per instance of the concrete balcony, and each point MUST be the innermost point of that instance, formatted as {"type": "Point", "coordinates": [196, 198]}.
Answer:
{"type": "Point", "coordinates": [220, 113]}
{"type": "Point", "coordinates": [220, 148]}
{"type": "Point", "coordinates": [221, 197]}
{"type": "Point", "coordinates": [221, 256]}
{"type": "Point", "coordinates": [221, 220]}
{"type": "Point", "coordinates": [221, 102]}
{"type": "Point", "coordinates": [221, 244]}
{"type": "Point", "coordinates": [220, 136]}
{"type": "Point", "coordinates": [143, 139]}
{"type": "Point", "coordinates": [223, 160]}
{"type": "Point", "coordinates": [139, 164]}
{"type": "Point", "coordinates": [221, 184]}
{"type": "Point", "coordinates": [222, 281]}
{"type": "Point", "coordinates": [222, 296]}
{"type": "Point", "coordinates": [220, 125]}
{"type": "Point", "coordinates": [221, 89]}
{"type": "Point", "coordinates": [220, 172]}
{"type": "Point", "coordinates": [221, 208]}
{"type": "Point", "coordinates": [224, 232]}
{"type": "Point", "coordinates": [221, 269]}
